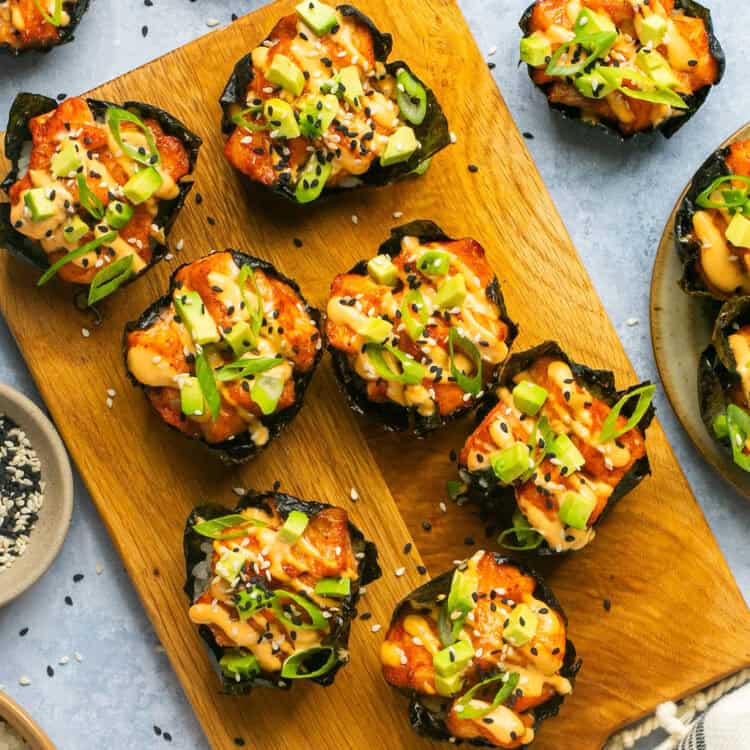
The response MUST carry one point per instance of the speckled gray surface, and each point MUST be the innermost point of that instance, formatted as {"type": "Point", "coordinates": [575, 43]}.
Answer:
{"type": "Point", "coordinates": [614, 199]}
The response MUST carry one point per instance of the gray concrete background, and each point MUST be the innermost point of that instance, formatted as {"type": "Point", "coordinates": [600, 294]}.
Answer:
{"type": "Point", "coordinates": [614, 199]}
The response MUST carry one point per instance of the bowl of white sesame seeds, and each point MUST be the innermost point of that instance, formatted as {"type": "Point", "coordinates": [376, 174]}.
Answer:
{"type": "Point", "coordinates": [36, 493]}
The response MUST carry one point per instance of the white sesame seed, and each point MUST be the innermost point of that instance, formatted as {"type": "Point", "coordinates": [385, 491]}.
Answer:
{"type": "Point", "coordinates": [239, 491]}
{"type": "Point", "coordinates": [453, 137]}
{"type": "Point", "coordinates": [632, 322]}
{"type": "Point", "coordinates": [211, 22]}
{"type": "Point", "coordinates": [111, 392]}
{"type": "Point", "coordinates": [398, 214]}
{"type": "Point", "coordinates": [355, 219]}
{"type": "Point", "coordinates": [63, 660]}
{"type": "Point", "coordinates": [180, 244]}
{"type": "Point", "coordinates": [109, 403]}
{"type": "Point", "coordinates": [99, 569]}
{"type": "Point", "coordinates": [354, 495]}
{"type": "Point", "coordinates": [77, 657]}
{"type": "Point", "coordinates": [375, 628]}
{"type": "Point", "coordinates": [491, 51]}
{"type": "Point", "coordinates": [24, 680]}
{"type": "Point", "coordinates": [85, 332]}
{"type": "Point", "coordinates": [399, 572]}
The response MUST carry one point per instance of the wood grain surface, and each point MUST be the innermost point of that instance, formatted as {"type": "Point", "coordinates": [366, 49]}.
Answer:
{"type": "Point", "coordinates": [681, 329]}
{"type": "Point", "coordinates": [677, 621]}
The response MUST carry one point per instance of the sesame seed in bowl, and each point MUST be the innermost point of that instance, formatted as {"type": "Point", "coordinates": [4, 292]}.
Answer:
{"type": "Point", "coordinates": [36, 493]}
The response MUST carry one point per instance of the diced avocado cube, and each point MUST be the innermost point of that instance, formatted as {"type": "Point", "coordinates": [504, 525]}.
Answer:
{"type": "Point", "coordinates": [510, 463]}
{"type": "Point", "coordinates": [321, 18]}
{"type": "Point", "coordinates": [452, 292]}
{"type": "Point", "coordinates": [590, 22]}
{"type": "Point", "coordinates": [464, 585]}
{"type": "Point", "coordinates": [74, 229]}
{"type": "Point", "coordinates": [434, 263]}
{"type": "Point", "coordinates": [738, 231]}
{"type": "Point", "coordinates": [240, 338]}
{"type": "Point", "coordinates": [593, 85]}
{"type": "Point", "coordinates": [230, 565]}
{"type": "Point", "coordinates": [118, 214]}
{"type": "Point", "coordinates": [536, 49]}
{"type": "Point", "coordinates": [657, 67]}
{"type": "Point", "coordinates": [350, 85]}
{"type": "Point", "coordinates": [191, 398]}
{"type": "Point", "coordinates": [575, 509]}
{"type": "Point", "coordinates": [401, 145]}
{"type": "Point", "coordinates": [651, 30]}
{"type": "Point", "coordinates": [721, 429]}
{"type": "Point", "coordinates": [39, 205]}
{"type": "Point", "coordinates": [239, 663]}
{"type": "Point", "coordinates": [252, 600]}
{"type": "Point", "coordinates": [336, 587]}
{"type": "Point", "coordinates": [383, 270]}
{"type": "Point", "coordinates": [567, 454]}
{"type": "Point", "coordinates": [196, 318]}
{"type": "Point", "coordinates": [283, 72]}
{"type": "Point", "coordinates": [317, 114]}
{"type": "Point", "coordinates": [294, 526]}
{"type": "Point", "coordinates": [142, 185]}
{"type": "Point", "coordinates": [454, 659]}
{"type": "Point", "coordinates": [521, 625]}
{"type": "Point", "coordinates": [66, 161]}
{"type": "Point", "coordinates": [312, 179]}
{"type": "Point", "coordinates": [376, 330]}
{"type": "Point", "coordinates": [447, 686]}
{"type": "Point", "coordinates": [529, 397]}
{"type": "Point", "coordinates": [280, 116]}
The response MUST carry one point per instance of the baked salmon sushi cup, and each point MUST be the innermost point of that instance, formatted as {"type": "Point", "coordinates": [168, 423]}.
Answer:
{"type": "Point", "coordinates": [94, 188]}
{"type": "Point", "coordinates": [273, 588]}
{"type": "Point", "coordinates": [482, 652]}
{"type": "Point", "coordinates": [626, 67]}
{"type": "Point", "coordinates": [38, 24]}
{"type": "Point", "coordinates": [225, 357]}
{"type": "Point", "coordinates": [724, 381]}
{"type": "Point", "coordinates": [317, 109]}
{"type": "Point", "coordinates": [418, 332]}
{"type": "Point", "coordinates": [712, 227]}
{"type": "Point", "coordinates": [555, 448]}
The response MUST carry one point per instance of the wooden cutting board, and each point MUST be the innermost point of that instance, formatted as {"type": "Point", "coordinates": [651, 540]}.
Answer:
{"type": "Point", "coordinates": [677, 620]}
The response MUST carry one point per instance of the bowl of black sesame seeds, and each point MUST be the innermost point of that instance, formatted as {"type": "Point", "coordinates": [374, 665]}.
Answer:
{"type": "Point", "coordinates": [36, 493]}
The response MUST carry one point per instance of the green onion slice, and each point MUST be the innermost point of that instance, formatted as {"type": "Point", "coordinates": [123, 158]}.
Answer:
{"type": "Point", "coordinates": [597, 45]}
{"type": "Point", "coordinates": [317, 621]}
{"type": "Point", "coordinates": [732, 199]}
{"type": "Point", "coordinates": [412, 372]}
{"type": "Point", "coordinates": [445, 627]}
{"type": "Point", "coordinates": [266, 392]}
{"type": "Point", "coordinates": [241, 118]}
{"type": "Point", "coordinates": [205, 375]}
{"type": "Point", "coordinates": [215, 527]}
{"type": "Point", "coordinates": [454, 488]}
{"type": "Point", "coordinates": [56, 18]}
{"type": "Point", "coordinates": [609, 429]}
{"type": "Point", "coordinates": [542, 433]}
{"type": "Point", "coordinates": [116, 116]}
{"type": "Point", "coordinates": [291, 669]}
{"type": "Point", "coordinates": [468, 384]}
{"type": "Point", "coordinates": [411, 97]}
{"type": "Point", "coordinates": [255, 311]}
{"type": "Point", "coordinates": [465, 711]}
{"type": "Point", "coordinates": [74, 254]}
{"type": "Point", "coordinates": [88, 198]}
{"type": "Point", "coordinates": [241, 368]}
{"type": "Point", "coordinates": [738, 427]}
{"type": "Point", "coordinates": [649, 92]}
{"type": "Point", "coordinates": [527, 537]}
{"type": "Point", "coordinates": [110, 279]}
{"type": "Point", "coordinates": [414, 327]}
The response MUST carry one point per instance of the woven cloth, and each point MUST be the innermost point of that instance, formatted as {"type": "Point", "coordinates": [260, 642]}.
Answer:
{"type": "Point", "coordinates": [725, 726]}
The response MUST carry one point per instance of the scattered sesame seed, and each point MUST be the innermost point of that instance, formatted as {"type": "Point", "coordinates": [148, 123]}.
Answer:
{"type": "Point", "coordinates": [99, 569]}
{"type": "Point", "coordinates": [491, 51]}
{"type": "Point", "coordinates": [63, 660]}
{"type": "Point", "coordinates": [398, 214]}
{"type": "Point", "coordinates": [354, 495]}
{"type": "Point", "coordinates": [85, 332]}
{"type": "Point", "coordinates": [355, 219]}
{"type": "Point", "coordinates": [24, 680]}
{"type": "Point", "coordinates": [399, 572]}
{"type": "Point", "coordinates": [632, 322]}
{"type": "Point", "coordinates": [211, 22]}
{"type": "Point", "coordinates": [607, 604]}
{"type": "Point", "coordinates": [376, 627]}
{"type": "Point", "coordinates": [77, 657]}
{"type": "Point", "coordinates": [239, 491]}
{"type": "Point", "coordinates": [453, 136]}
{"type": "Point", "coordinates": [473, 168]}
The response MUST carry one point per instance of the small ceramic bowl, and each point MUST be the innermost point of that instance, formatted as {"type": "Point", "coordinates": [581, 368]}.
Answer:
{"type": "Point", "coordinates": [23, 724]}
{"type": "Point", "coordinates": [54, 517]}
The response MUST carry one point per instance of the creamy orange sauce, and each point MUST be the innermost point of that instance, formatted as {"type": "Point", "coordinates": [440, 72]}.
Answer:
{"type": "Point", "coordinates": [570, 409]}
{"type": "Point", "coordinates": [294, 567]}
{"type": "Point", "coordinates": [412, 642]}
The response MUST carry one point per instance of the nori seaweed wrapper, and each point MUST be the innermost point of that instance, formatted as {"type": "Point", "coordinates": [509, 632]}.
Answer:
{"type": "Point", "coordinates": [196, 553]}
{"type": "Point", "coordinates": [389, 414]}
{"type": "Point", "coordinates": [241, 448]}
{"type": "Point", "coordinates": [65, 33]}
{"type": "Point", "coordinates": [427, 714]}
{"type": "Point", "coordinates": [670, 126]}
{"type": "Point", "coordinates": [689, 248]}
{"type": "Point", "coordinates": [433, 133]}
{"type": "Point", "coordinates": [717, 367]}
{"type": "Point", "coordinates": [27, 106]}
{"type": "Point", "coordinates": [498, 501]}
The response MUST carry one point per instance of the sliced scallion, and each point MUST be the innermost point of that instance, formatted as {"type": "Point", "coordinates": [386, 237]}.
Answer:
{"type": "Point", "coordinates": [414, 305]}
{"type": "Point", "coordinates": [215, 528]}
{"type": "Point", "coordinates": [317, 621]}
{"type": "Point", "coordinates": [74, 254]}
{"type": "Point", "coordinates": [469, 384]}
{"type": "Point", "coordinates": [110, 278]}
{"type": "Point", "coordinates": [88, 198]}
{"type": "Point", "coordinates": [463, 704]}
{"type": "Point", "coordinates": [205, 375]}
{"type": "Point", "coordinates": [412, 372]}
{"type": "Point", "coordinates": [115, 117]}
{"type": "Point", "coordinates": [610, 431]}
{"type": "Point", "coordinates": [293, 666]}
{"type": "Point", "coordinates": [241, 368]}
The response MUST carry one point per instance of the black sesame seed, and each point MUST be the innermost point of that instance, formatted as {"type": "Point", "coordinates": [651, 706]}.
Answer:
{"type": "Point", "coordinates": [198, 198]}
{"type": "Point", "coordinates": [297, 242]}
{"type": "Point", "coordinates": [473, 168]}
{"type": "Point", "coordinates": [144, 31]}
{"type": "Point", "coordinates": [407, 548]}
{"type": "Point", "coordinates": [211, 220]}
{"type": "Point", "coordinates": [421, 570]}
{"type": "Point", "coordinates": [607, 604]}
{"type": "Point", "coordinates": [50, 671]}
{"type": "Point", "coordinates": [78, 577]}
{"type": "Point", "coordinates": [426, 525]}
{"type": "Point", "coordinates": [69, 601]}
{"type": "Point", "coordinates": [23, 631]}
